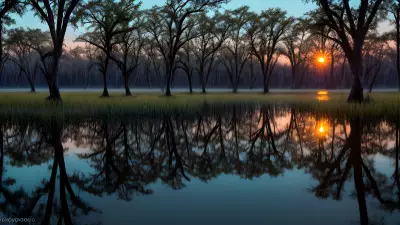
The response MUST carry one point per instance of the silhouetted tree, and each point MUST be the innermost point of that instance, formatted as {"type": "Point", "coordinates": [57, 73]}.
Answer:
{"type": "Point", "coordinates": [167, 25]}
{"type": "Point", "coordinates": [21, 43]}
{"type": "Point", "coordinates": [109, 22]}
{"type": "Point", "coordinates": [265, 32]}
{"type": "Point", "coordinates": [49, 12]}
{"type": "Point", "coordinates": [350, 26]}
{"type": "Point", "coordinates": [235, 51]}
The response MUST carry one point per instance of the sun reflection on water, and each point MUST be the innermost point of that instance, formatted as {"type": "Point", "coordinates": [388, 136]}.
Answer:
{"type": "Point", "coordinates": [322, 95]}
{"type": "Point", "coordinates": [322, 128]}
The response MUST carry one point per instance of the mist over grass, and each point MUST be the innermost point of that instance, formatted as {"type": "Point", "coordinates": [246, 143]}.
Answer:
{"type": "Point", "coordinates": [78, 105]}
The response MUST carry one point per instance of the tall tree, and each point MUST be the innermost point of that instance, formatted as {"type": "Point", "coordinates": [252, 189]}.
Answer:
{"type": "Point", "coordinates": [57, 15]}
{"type": "Point", "coordinates": [350, 26]}
{"type": "Point", "coordinates": [108, 22]}
{"type": "Point", "coordinates": [235, 51]}
{"type": "Point", "coordinates": [24, 45]}
{"type": "Point", "coordinates": [212, 32]}
{"type": "Point", "coordinates": [185, 62]}
{"type": "Point", "coordinates": [167, 25]}
{"type": "Point", "coordinates": [129, 51]}
{"type": "Point", "coordinates": [265, 32]}
{"type": "Point", "coordinates": [83, 60]}
{"type": "Point", "coordinates": [7, 7]}
{"type": "Point", "coordinates": [153, 63]}
{"type": "Point", "coordinates": [297, 48]}
{"type": "Point", "coordinates": [395, 10]}
{"type": "Point", "coordinates": [375, 51]}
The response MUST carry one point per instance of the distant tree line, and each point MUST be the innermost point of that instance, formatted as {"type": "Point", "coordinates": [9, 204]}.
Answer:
{"type": "Point", "coordinates": [198, 44]}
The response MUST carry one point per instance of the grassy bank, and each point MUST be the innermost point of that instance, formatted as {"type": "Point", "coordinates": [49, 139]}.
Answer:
{"type": "Point", "coordinates": [88, 104]}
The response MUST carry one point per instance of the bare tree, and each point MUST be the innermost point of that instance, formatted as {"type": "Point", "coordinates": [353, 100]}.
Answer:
{"type": "Point", "coordinates": [21, 44]}
{"type": "Point", "coordinates": [297, 48]}
{"type": "Point", "coordinates": [351, 26]}
{"type": "Point", "coordinates": [167, 25]}
{"type": "Point", "coordinates": [212, 32]}
{"type": "Point", "coordinates": [108, 22]}
{"type": "Point", "coordinates": [236, 50]}
{"type": "Point", "coordinates": [374, 53]}
{"type": "Point", "coordinates": [84, 60]}
{"type": "Point", "coordinates": [185, 62]}
{"type": "Point", "coordinates": [57, 15]}
{"type": "Point", "coordinates": [6, 8]}
{"type": "Point", "coordinates": [395, 10]}
{"type": "Point", "coordinates": [129, 50]}
{"type": "Point", "coordinates": [265, 32]}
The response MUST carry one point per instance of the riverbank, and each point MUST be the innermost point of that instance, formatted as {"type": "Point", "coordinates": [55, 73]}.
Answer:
{"type": "Point", "coordinates": [88, 104]}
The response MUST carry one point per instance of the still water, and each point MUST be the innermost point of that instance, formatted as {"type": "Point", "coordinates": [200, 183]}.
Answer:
{"type": "Point", "coordinates": [261, 165]}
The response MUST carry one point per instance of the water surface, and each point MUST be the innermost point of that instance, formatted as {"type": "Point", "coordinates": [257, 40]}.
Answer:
{"type": "Point", "coordinates": [259, 165]}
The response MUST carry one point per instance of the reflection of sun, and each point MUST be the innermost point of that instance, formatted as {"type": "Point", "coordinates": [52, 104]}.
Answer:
{"type": "Point", "coordinates": [321, 129]}
{"type": "Point", "coordinates": [322, 92]}
{"type": "Point", "coordinates": [322, 95]}
{"type": "Point", "coordinates": [323, 98]}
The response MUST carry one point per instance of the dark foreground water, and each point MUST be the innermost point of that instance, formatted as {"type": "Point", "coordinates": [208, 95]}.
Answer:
{"type": "Point", "coordinates": [243, 166]}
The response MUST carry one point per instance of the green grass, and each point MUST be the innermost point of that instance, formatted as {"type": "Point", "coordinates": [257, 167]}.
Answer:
{"type": "Point", "coordinates": [90, 104]}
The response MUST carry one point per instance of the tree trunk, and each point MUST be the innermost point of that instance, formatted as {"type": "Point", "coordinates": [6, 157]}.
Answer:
{"type": "Point", "coordinates": [169, 70]}
{"type": "Point", "coordinates": [235, 90]}
{"type": "Point", "coordinates": [190, 84]}
{"type": "Point", "coordinates": [251, 74]}
{"type": "Point", "coordinates": [356, 160]}
{"type": "Point", "coordinates": [371, 85]}
{"type": "Point", "coordinates": [203, 89]}
{"type": "Point", "coordinates": [105, 90]}
{"type": "Point", "coordinates": [398, 42]}
{"type": "Point", "coordinates": [202, 82]}
{"type": "Point", "coordinates": [293, 77]}
{"type": "Point", "coordinates": [356, 92]}
{"type": "Point", "coordinates": [104, 72]}
{"type": "Point", "coordinates": [266, 82]}
{"type": "Point", "coordinates": [266, 89]}
{"type": "Point", "coordinates": [331, 84]}
{"type": "Point", "coordinates": [31, 85]}
{"type": "Point", "coordinates": [343, 84]}
{"type": "Point", "coordinates": [126, 83]}
{"type": "Point", "coordinates": [54, 93]}
{"type": "Point", "coordinates": [168, 88]}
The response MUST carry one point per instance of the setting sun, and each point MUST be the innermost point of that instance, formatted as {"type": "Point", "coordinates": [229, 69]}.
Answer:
{"type": "Point", "coordinates": [321, 59]}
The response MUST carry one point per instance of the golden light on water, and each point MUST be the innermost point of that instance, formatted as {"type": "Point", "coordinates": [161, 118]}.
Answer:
{"type": "Point", "coordinates": [322, 95]}
{"type": "Point", "coordinates": [322, 92]}
{"type": "Point", "coordinates": [321, 129]}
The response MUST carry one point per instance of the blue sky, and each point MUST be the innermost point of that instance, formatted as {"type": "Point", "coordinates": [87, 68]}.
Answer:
{"type": "Point", "coordinates": [294, 7]}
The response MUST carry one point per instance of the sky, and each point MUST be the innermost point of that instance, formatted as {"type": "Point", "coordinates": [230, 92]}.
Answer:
{"type": "Point", "coordinates": [294, 8]}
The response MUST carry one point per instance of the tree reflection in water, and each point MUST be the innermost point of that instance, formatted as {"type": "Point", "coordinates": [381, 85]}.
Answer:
{"type": "Point", "coordinates": [127, 156]}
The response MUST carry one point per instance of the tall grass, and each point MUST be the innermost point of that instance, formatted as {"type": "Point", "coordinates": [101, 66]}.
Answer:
{"type": "Point", "coordinates": [90, 104]}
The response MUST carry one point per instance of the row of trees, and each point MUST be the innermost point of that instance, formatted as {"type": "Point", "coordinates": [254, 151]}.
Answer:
{"type": "Point", "coordinates": [198, 38]}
